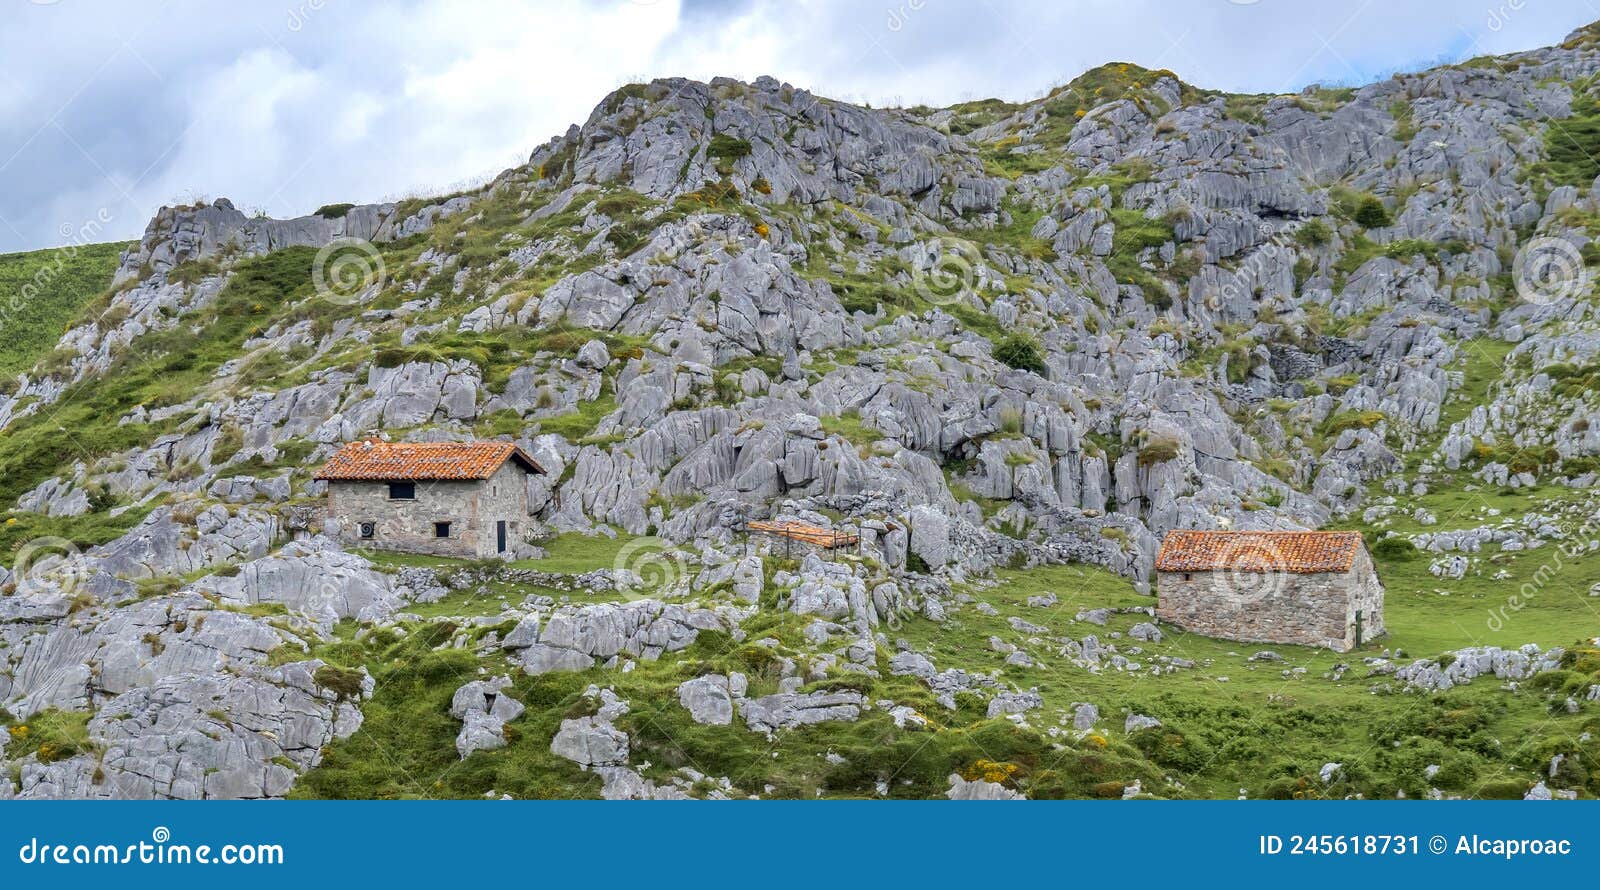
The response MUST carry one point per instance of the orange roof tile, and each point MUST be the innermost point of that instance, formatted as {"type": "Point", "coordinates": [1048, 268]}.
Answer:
{"type": "Point", "coordinates": [1295, 552]}
{"type": "Point", "coordinates": [382, 461]}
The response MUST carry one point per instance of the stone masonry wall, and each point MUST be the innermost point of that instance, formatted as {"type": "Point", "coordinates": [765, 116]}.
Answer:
{"type": "Point", "coordinates": [1367, 596]}
{"type": "Point", "coordinates": [1308, 610]}
{"type": "Point", "coordinates": [472, 509]}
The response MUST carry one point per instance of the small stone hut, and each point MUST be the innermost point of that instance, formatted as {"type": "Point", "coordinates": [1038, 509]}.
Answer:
{"type": "Point", "coordinates": [463, 499]}
{"type": "Point", "coordinates": [1303, 588]}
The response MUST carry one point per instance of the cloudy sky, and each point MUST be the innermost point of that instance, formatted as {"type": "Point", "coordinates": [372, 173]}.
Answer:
{"type": "Point", "coordinates": [110, 109]}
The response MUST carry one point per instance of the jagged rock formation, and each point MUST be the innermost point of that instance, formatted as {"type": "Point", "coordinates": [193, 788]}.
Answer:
{"type": "Point", "coordinates": [984, 336]}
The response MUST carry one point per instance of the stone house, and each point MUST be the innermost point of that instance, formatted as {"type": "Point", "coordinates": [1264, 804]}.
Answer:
{"type": "Point", "coordinates": [1303, 588]}
{"type": "Point", "coordinates": [463, 499]}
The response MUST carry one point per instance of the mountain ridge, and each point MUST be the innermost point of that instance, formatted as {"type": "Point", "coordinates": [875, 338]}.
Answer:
{"type": "Point", "coordinates": [1010, 345]}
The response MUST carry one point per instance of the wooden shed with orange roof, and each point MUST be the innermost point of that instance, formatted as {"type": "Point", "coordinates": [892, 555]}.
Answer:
{"type": "Point", "coordinates": [465, 499]}
{"type": "Point", "coordinates": [1306, 588]}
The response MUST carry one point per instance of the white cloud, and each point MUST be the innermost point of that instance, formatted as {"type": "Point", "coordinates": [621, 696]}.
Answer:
{"type": "Point", "coordinates": [284, 107]}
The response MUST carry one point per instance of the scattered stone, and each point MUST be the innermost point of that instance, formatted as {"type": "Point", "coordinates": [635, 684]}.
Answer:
{"type": "Point", "coordinates": [1084, 716]}
{"type": "Point", "coordinates": [1014, 703]}
{"type": "Point", "coordinates": [1136, 722]}
{"type": "Point", "coordinates": [1145, 631]}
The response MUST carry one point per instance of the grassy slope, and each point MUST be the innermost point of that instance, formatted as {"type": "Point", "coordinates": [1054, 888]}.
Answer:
{"type": "Point", "coordinates": [43, 290]}
{"type": "Point", "coordinates": [1230, 723]}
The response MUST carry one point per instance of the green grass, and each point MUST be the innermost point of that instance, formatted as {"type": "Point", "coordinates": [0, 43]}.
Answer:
{"type": "Point", "coordinates": [1257, 729]}
{"type": "Point", "coordinates": [41, 291]}
{"type": "Point", "coordinates": [579, 425]}
{"type": "Point", "coordinates": [50, 735]}
{"type": "Point", "coordinates": [850, 427]}
{"type": "Point", "coordinates": [574, 554]}
{"type": "Point", "coordinates": [158, 369]}
{"type": "Point", "coordinates": [1571, 145]}
{"type": "Point", "coordinates": [1229, 723]}
{"type": "Point", "coordinates": [89, 530]}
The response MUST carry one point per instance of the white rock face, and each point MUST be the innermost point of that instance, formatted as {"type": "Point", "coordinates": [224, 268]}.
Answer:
{"type": "Point", "coordinates": [593, 741]}
{"type": "Point", "coordinates": [484, 710]}
{"type": "Point", "coordinates": [786, 710]}
{"type": "Point", "coordinates": [578, 638]}
{"type": "Point", "coordinates": [979, 789]}
{"type": "Point", "coordinates": [710, 699]}
{"type": "Point", "coordinates": [219, 736]}
{"type": "Point", "coordinates": [314, 578]}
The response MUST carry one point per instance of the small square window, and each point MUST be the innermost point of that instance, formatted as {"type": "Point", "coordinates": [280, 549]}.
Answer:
{"type": "Point", "coordinates": [402, 491]}
{"type": "Point", "coordinates": [369, 529]}
{"type": "Point", "coordinates": [441, 529]}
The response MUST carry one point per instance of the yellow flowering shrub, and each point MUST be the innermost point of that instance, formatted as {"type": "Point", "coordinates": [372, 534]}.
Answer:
{"type": "Point", "coordinates": [990, 771]}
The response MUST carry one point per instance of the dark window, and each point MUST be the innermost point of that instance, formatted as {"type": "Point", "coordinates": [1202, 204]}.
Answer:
{"type": "Point", "coordinates": [1188, 577]}
{"type": "Point", "coordinates": [441, 529]}
{"type": "Point", "coordinates": [369, 529]}
{"type": "Point", "coordinates": [402, 491]}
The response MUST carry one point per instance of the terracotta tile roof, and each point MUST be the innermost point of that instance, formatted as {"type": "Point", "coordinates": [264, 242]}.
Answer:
{"type": "Point", "coordinates": [375, 461]}
{"type": "Point", "coordinates": [1296, 552]}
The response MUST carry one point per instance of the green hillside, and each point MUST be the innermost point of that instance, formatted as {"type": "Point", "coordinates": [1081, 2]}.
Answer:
{"type": "Point", "coordinates": [41, 291]}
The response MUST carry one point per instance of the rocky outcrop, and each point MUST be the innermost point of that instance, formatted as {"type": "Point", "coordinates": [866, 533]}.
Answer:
{"type": "Point", "coordinates": [578, 638]}
{"type": "Point", "coordinates": [484, 709]}
{"type": "Point", "coordinates": [218, 736]}
{"type": "Point", "coordinates": [313, 578]}
{"type": "Point", "coordinates": [1462, 666]}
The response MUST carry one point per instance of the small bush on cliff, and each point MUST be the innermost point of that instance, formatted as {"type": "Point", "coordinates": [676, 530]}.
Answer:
{"type": "Point", "coordinates": [1020, 352]}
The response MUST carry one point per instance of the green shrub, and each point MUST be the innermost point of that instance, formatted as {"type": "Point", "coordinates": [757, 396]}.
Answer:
{"type": "Point", "coordinates": [1314, 233]}
{"type": "Point", "coordinates": [728, 148]}
{"type": "Point", "coordinates": [1395, 550]}
{"type": "Point", "coordinates": [334, 211]}
{"type": "Point", "coordinates": [1020, 352]}
{"type": "Point", "coordinates": [343, 682]}
{"type": "Point", "coordinates": [1371, 214]}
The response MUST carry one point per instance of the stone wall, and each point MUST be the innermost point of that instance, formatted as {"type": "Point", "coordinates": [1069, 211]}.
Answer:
{"type": "Point", "coordinates": [472, 509]}
{"type": "Point", "coordinates": [1367, 596]}
{"type": "Point", "coordinates": [1302, 609]}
